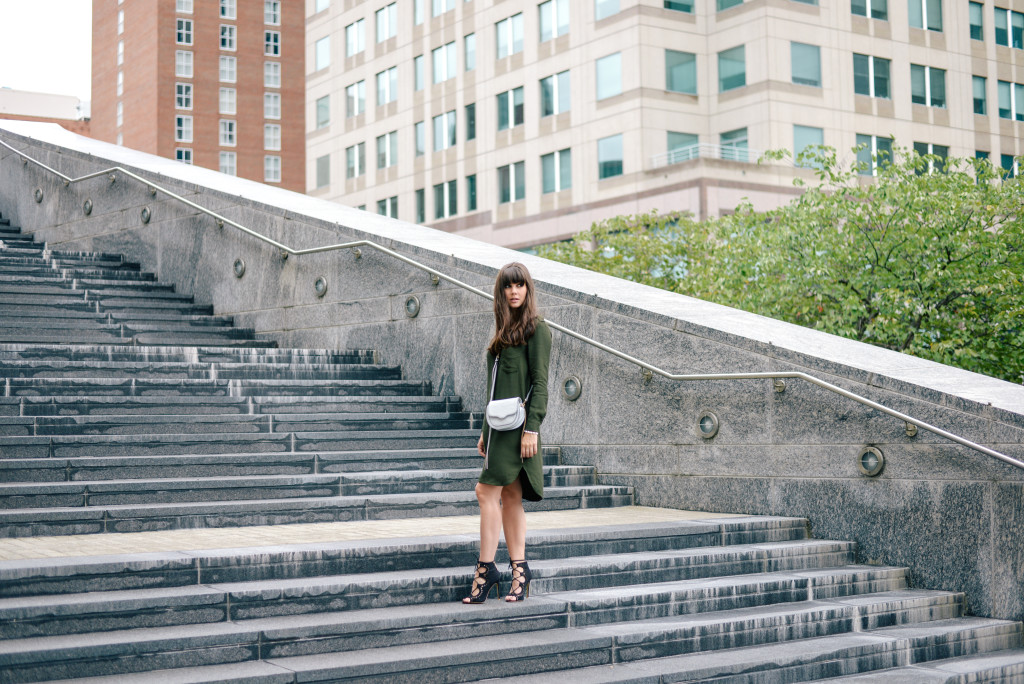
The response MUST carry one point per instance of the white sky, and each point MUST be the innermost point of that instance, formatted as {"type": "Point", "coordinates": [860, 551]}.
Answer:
{"type": "Point", "coordinates": [46, 46]}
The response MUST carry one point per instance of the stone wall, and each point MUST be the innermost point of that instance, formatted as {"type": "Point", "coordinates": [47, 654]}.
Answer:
{"type": "Point", "coordinates": [952, 515]}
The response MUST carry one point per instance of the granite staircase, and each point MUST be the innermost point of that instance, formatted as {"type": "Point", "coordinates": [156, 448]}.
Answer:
{"type": "Point", "coordinates": [126, 407]}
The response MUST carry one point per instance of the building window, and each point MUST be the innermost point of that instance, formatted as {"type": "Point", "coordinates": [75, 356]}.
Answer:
{"type": "Point", "coordinates": [870, 76]}
{"type": "Point", "coordinates": [417, 73]}
{"type": "Point", "coordinates": [682, 147]}
{"type": "Point", "coordinates": [228, 69]}
{"type": "Point", "coordinates": [419, 136]}
{"type": "Point", "coordinates": [321, 6]}
{"type": "Point", "coordinates": [355, 99]}
{"type": "Point", "coordinates": [1010, 165]}
{"type": "Point", "coordinates": [228, 9]}
{"type": "Point", "coordinates": [444, 131]}
{"type": "Point", "coordinates": [183, 154]}
{"type": "Point", "coordinates": [387, 150]}
{"type": "Point", "coordinates": [272, 168]}
{"type": "Point", "coordinates": [183, 129]}
{"type": "Point", "coordinates": [1009, 28]}
{"type": "Point", "coordinates": [445, 200]}
{"type": "Point", "coordinates": [509, 35]}
{"type": "Point", "coordinates": [183, 64]}
{"type": "Point", "coordinates": [605, 8]}
{"type": "Point", "coordinates": [1011, 100]}
{"type": "Point", "coordinates": [120, 114]}
{"type": "Point", "coordinates": [976, 16]}
{"type": "Point", "coordinates": [554, 94]}
{"type": "Point", "coordinates": [120, 139]}
{"type": "Point", "coordinates": [323, 171]}
{"type": "Point", "coordinates": [271, 136]}
{"type": "Point", "coordinates": [940, 151]}
{"type": "Point", "coordinates": [120, 83]}
{"type": "Point", "coordinates": [471, 193]}
{"type": "Point", "coordinates": [878, 9]}
{"type": "Point", "coordinates": [873, 152]}
{"type": "Point", "coordinates": [980, 101]}
{"type": "Point", "coordinates": [734, 145]}
{"type": "Point", "coordinates": [805, 61]}
{"type": "Point", "coordinates": [510, 108]}
{"type": "Point", "coordinates": [554, 19]}
{"type": "Point", "coordinates": [511, 182]}
{"type": "Point", "coordinates": [439, 7]}
{"type": "Point", "coordinates": [271, 74]}
{"type": "Point", "coordinates": [272, 12]}
{"type": "Point", "coordinates": [804, 137]}
{"type": "Point", "coordinates": [681, 72]}
{"type": "Point", "coordinates": [721, 5]}
{"type": "Point", "coordinates": [387, 22]}
{"type": "Point", "coordinates": [417, 12]}
{"type": "Point", "coordinates": [732, 69]}
{"type": "Point", "coordinates": [322, 53]}
{"type": "Point", "coordinates": [271, 105]}
{"type": "Point", "coordinates": [388, 207]}
{"type": "Point", "coordinates": [556, 171]}
{"type": "Point", "coordinates": [184, 32]}
{"type": "Point", "coordinates": [227, 37]}
{"type": "Point", "coordinates": [228, 99]}
{"type": "Point", "coordinates": [182, 6]}
{"type": "Point", "coordinates": [272, 43]}
{"type": "Point", "coordinates": [227, 133]}
{"type": "Point", "coordinates": [355, 160]}
{"type": "Point", "coordinates": [609, 156]}
{"type": "Point", "coordinates": [355, 38]}
{"type": "Point", "coordinates": [679, 5]}
{"type": "Point", "coordinates": [421, 209]}
{"type": "Point", "coordinates": [925, 14]}
{"type": "Point", "coordinates": [228, 163]}
{"type": "Point", "coordinates": [471, 121]}
{"type": "Point", "coordinates": [387, 86]}
{"type": "Point", "coordinates": [609, 76]}
{"type": "Point", "coordinates": [120, 53]}
{"type": "Point", "coordinates": [323, 111]}
{"type": "Point", "coordinates": [927, 85]}
{"type": "Point", "coordinates": [470, 50]}
{"type": "Point", "coordinates": [443, 59]}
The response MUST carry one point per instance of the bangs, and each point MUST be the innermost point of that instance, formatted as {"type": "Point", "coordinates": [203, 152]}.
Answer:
{"type": "Point", "coordinates": [513, 274]}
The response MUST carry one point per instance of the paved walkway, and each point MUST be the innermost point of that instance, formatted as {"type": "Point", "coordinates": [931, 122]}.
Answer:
{"type": "Point", "coordinates": [240, 537]}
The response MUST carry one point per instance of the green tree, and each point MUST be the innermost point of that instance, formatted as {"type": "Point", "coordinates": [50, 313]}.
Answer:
{"type": "Point", "coordinates": [927, 258]}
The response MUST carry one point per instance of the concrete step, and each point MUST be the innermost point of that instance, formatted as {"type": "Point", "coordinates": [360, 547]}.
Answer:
{"type": "Point", "coordinates": [925, 647]}
{"type": "Point", "coordinates": [30, 368]}
{"type": "Point", "coordinates": [137, 406]}
{"type": "Point", "coordinates": [27, 522]}
{"type": "Point", "coordinates": [126, 290]}
{"type": "Point", "coordinates": [173, 338]}
{"type": "Point", "coordinates": [199, 387]}
{"type": "Point", "coordinates": [74, 327]}
{"type": "Point", "coordinates": [39, 577]}
{"type": "Point", "coordinates": [33, 269]}
{"type": "Point", "coordinates": [75, 299]}
{"type": "Point", "coordinates": [266, 423]}
{"type": "Point", "coordinates": [255, 487]}
{"type": "Point", "coordinates": [87, 311]}
{"type": "Point", "coordinates": [71, 352]}
{"type": "Point", "coordinates": [477, 657]}
{"type": "Point", "coordinates": [217, 465]}
{"type": "Point", "coordinates": [330, 626]}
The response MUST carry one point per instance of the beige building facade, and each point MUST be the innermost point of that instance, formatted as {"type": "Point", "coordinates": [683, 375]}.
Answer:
{"type": "Point", "coordinates": [521, 123]}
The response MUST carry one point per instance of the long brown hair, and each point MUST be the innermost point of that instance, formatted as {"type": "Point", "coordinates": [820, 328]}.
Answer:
{"type": "Point", "coordinates": [513, 327]}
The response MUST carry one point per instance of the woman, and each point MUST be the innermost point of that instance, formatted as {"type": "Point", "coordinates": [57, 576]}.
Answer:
{"type": "Point", "coordinates": [513, 468]}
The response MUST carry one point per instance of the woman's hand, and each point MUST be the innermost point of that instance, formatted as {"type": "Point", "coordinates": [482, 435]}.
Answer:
{"type": "Point", "coordinates": [480, 447]}
{"type": "Point", "coordinates": [528, 445]}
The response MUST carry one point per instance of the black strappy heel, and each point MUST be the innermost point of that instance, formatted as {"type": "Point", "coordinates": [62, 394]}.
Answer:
{"type": "Point", "coordinates": [485, 577]}
{"type": "Point", "coordinates": [521, 577]}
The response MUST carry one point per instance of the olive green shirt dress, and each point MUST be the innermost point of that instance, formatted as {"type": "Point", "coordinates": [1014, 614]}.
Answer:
{"type": "Point", "coordinates": [519, 369]}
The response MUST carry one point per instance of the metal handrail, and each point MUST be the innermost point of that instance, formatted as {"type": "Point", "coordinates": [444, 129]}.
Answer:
{"type": "Point", "coordinates": [775, 376]}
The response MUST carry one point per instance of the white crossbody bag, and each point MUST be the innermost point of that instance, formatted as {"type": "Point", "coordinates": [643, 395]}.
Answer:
{"type": "Point", "coordinates": [503, 414]}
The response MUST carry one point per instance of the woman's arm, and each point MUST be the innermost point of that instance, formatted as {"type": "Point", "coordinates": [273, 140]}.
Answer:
{"type": "Point", "coordinates": [538, 352]}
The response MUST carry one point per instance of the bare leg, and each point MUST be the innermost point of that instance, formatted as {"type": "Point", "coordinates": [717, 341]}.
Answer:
{"type": "Point", "coordinates": [513, 520]}
{"type": "Point", "coordinates": [489, 497]}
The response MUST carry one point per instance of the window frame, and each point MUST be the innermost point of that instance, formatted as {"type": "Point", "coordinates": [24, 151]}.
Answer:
{"type": "Point", "coordinates": [182, 127]}
{"type": "Point", "coordinates": [561, 171]}
{"type": "Point", "coordinates": [271, 43]}
{"type": "Point", "coordinates": [271, 74]}
{"type": "Point", "coordinates": [560, 97]}
{"type": "Point", "coordinates": [617, 57]}
{"type": "Point", "coordinates": [356, 30]}
{"type": "Point", "coordinates": [184, 64]}
{"type": "Point", "coordinates": [554, 9]}
{"type": "Point", "coordinates": [230, 169]}
{"type": "Point", "coordinates": [232, 69]}
{"type": "Point", "coordinates": [272, 12]}
{"type": "Point", "coordinates": [272, 137]}
{"type": "Point", "coordinates": [512, 27]}
{"type": "Point", "coordinates": [272, 168]}
{"type": "Point", "coordinates": [927, 77]}
{"type": "Point", "coordinates": [227, 133]}
{"type": "Point", "coordinates": [606, 167]}
{"type": "Point", "coordinates": [183, 96]}
{"type": "Point", "coordinates": [873, 76]}
{"type": "Point", "coordinates": [229, 37]}
{"type": "Point", "coordinates": [514, 113]}
{"type": "Point", "coordinates": [443, 63]}
{"type": "Point", "coordinates": [183, 31]}
{"type": "Point", "coordinates": [272, 106]}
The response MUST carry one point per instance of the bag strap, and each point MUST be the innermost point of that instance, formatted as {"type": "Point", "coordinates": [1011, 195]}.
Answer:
{"type": "Point", "coordinates": [494, 378]}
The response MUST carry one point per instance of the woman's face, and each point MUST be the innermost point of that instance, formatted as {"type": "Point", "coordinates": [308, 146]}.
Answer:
{"type": "Point", "coordinates": [515, 294]}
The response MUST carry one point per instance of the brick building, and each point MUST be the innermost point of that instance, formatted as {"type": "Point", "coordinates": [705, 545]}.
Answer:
{"type": "Point", "coordinates": [216, 83]}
